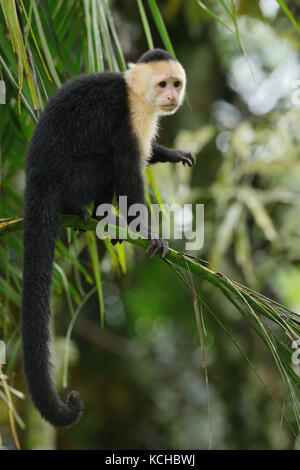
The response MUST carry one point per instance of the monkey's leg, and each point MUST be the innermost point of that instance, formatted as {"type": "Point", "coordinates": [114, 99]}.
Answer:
{"type": "Point", "coordinates": [129, 182]}
{"type": "Point", "coordinates": [163, 154]}
{"type": "Point", "coordinates": [116, 220]}
{"type": "Point", "coordinates": [105, 194]}
{"type": "Point", "coordinates": [107, 198]}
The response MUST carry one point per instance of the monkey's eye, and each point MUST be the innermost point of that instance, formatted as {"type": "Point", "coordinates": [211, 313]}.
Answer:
{"type": "Point", "coordinates": [162, 84]}
{"type": "Point", "coordinates": [177, 84]}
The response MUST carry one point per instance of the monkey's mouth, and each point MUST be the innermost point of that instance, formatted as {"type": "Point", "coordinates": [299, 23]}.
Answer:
{"type": "Point", "coordinates": [168, 107]}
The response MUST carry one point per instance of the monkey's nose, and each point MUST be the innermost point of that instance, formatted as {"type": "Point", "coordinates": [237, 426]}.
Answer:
{"type": "Point", "coordinates": [172, 99]}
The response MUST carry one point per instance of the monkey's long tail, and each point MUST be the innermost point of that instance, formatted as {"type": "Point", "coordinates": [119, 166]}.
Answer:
{"type": "Point", "coordinates": [41, 222]}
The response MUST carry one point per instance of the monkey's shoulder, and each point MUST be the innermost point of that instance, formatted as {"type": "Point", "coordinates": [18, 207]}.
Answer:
{"type": "Point", "coordinates": [92, 96]}
{"type": "Point", "coordinates": [92, 81]}
{"type": "Point", "coordinates": [97, 87]}
{"type": "Point", "coordinates": [88, 102]}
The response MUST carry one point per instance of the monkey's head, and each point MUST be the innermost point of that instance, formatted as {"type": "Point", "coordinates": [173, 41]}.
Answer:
{"type": "Point", "coordinates": [159, 80]}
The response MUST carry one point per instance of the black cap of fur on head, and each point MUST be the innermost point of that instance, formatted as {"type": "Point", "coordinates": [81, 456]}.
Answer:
{"type": "Point", "coordinates": [155, 55]}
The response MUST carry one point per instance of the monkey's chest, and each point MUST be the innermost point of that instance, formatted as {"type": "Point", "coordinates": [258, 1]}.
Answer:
{"type": "Point", "coordinates": [145, 128]}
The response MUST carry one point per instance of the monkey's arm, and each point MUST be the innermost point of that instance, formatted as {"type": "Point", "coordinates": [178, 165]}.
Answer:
{"type": "Point", "coordinates": [163, 154]}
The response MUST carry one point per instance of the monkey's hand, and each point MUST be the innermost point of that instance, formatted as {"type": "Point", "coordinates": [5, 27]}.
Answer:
{"type": "Point", "coordinates": [183, 157]}
{"type": "Point", "coordinates": [156, 244]}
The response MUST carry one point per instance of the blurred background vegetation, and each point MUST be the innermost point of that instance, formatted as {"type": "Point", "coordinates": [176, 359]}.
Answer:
{"type": "Point", "coordinates": [141, 376]}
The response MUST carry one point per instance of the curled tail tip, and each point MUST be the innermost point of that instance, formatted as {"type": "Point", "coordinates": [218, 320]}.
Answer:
{"type": "Point", "coordinates": [76, 407]}
{"type": "Point", "coordinates": [75, 403]}
{"type": "Point", "coordinates": [65, 415]}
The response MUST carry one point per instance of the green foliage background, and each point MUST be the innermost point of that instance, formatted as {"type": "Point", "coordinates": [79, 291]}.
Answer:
{"type": "Point", "coordinates": [141, 377]}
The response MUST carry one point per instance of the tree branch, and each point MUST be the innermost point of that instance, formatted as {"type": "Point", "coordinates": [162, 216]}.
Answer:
{"type": "Point", "coordinates": [244, 299]}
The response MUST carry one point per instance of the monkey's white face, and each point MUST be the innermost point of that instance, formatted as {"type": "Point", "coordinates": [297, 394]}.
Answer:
{"type": "Point", "coordinates": [166, 94]}
{"type": "Point", "coordinates": [166, 87]}
{"type": "Point", "coordinates": [161, 84]}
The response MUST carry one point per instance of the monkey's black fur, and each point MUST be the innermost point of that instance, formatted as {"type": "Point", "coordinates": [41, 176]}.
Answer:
{"type": "Point", "coordinates": [155, 55]}
{"type": "Point", "coordinates": [83, 149]}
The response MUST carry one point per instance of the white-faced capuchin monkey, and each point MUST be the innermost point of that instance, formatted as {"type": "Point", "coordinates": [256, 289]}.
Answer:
{"type": "Point", "coordinates": [87, 147]}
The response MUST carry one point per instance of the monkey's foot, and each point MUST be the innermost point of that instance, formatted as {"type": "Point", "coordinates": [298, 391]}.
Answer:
{"type": "Point", "coordinates": [85, 216]}
{"type": "Point", "coordinates": [184, 157]}
{"type": "Point", "coordinates": [157, 244]}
